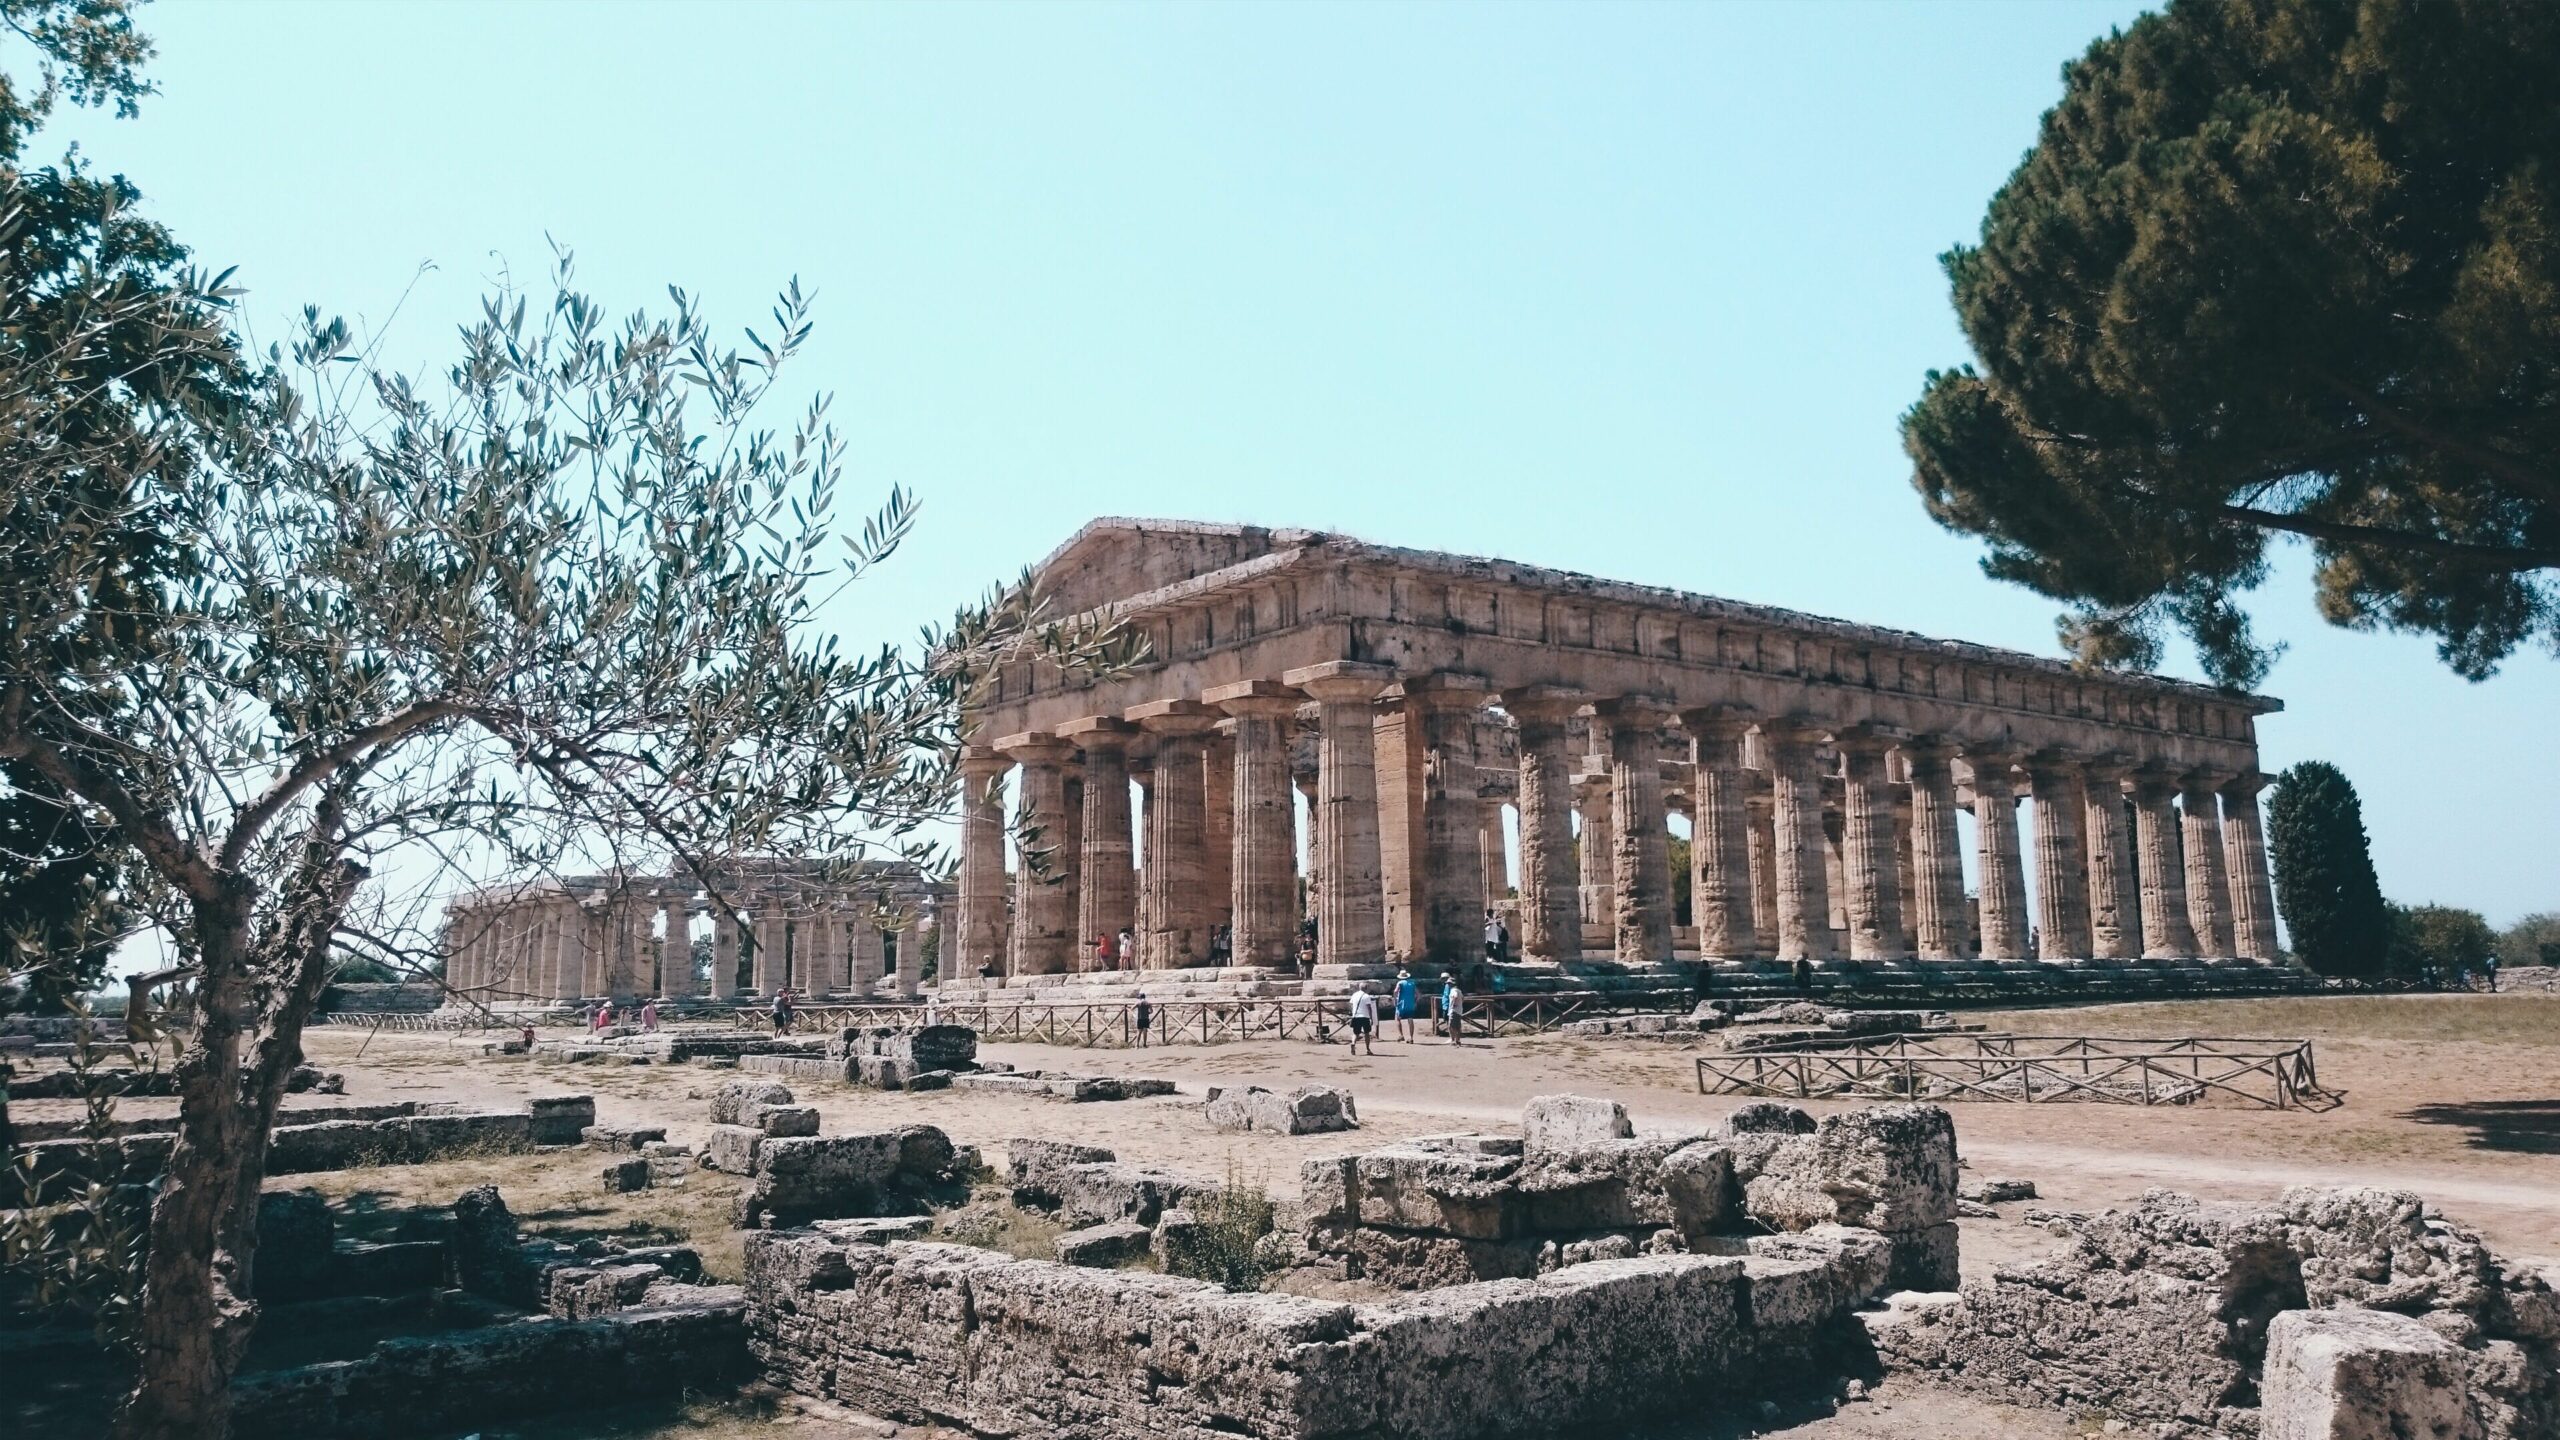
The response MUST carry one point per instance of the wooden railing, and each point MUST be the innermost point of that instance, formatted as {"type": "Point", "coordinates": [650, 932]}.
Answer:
{"type": "Point", "coordinates": [2028, 1069]}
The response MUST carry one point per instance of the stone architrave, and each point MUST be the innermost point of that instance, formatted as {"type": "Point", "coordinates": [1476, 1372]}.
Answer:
{"type": "Point", "coordinates": [2244, 843]}
{"type": "Point", "coordinates": [1350, 920]}
{"type": "Point", "coordinates": [2167, 934]}
{"type": "Point", "coordinates": [1550, 890]}
{"type": "Point", "coordinates": [1937, 858]}
{"type": "Point", "coordinates": [1997, 860]}
{"type": "Point", "coordinates": [1264, 860]}
{"type": "Point", "coordinates": [2057, 799]}
{"type": "Point", "coordinates": [2208, 882]}
{"type": "Point", "coordinates": [2115, 920]}
{"type": "Point", "coordinates": [1176, 877]}
{"type": "Point", "coordinates": [1107, 892]}
{"type": "Point", "coordinates": [1044, 915]}
{"type": "Point", "coordinates": [724, 951]}
{"type": "Point", "coordinates": [1639, 828]}
{"type": "Point", "coordinates": [1804, 903]}
{"type": "Point", "coordinates": [1720, 900]}
{"type": "Point", "coordinates": [981, 927]}
{"type": "Point", "coordinates": [1868, 852]}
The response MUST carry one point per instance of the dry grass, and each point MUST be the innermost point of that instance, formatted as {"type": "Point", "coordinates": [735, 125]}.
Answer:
{"type": "Point", "coordinates": [2521, 1020]}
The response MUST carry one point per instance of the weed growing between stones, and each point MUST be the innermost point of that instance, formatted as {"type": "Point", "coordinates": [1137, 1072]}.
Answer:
{"type": "Point", "coordinates": [1228, 1241]}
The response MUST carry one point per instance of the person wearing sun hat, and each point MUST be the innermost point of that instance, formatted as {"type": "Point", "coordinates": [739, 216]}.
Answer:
{"type": "Point", "coordinates": [1408, 1000]}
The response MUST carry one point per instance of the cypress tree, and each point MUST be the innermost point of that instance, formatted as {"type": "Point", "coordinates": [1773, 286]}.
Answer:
{"type": "Point", "coordinates": [2325, 884]}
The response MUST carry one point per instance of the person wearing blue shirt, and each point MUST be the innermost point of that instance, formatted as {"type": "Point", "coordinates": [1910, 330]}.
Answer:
{"type": "Point", "coordinates": [1408, 1000]}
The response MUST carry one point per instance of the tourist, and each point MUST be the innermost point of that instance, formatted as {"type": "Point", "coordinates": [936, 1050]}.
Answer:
{"type": "Point", "coordinates": [588, 1013]}
{"type": "Point", "coordinates": [1492, 936]}
{"type": "Point", "coordinates": [782, 1011]}
{"type": "Point", "coordinates": [1364, 1019]}
{"type": "Point", "coordinates": [1146, 1017]}
{"type": "Point", "coordinates": [2489, 967]}
{"type": "Point", "coordinates": [527, 1037]}
{"type": "Point", "coordinates": [1804, 976]}
{"type": "Point", "coordinates": [1408, 1001]}
{"type": "Point", "coordinates": [604, 1018]}
{"type": "Point", "coordinates": [1128, 949]}
{"type": "Point", "coordinates": [1103, 957]}
{"type": "Point", "coordinates": [649, 1016]}
{"type": "Point", "coordinates": [1453, 1004]}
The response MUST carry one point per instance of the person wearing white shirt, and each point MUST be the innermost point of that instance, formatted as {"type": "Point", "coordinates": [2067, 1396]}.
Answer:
{"type": "Point", "coordinates": [1364, 1019]}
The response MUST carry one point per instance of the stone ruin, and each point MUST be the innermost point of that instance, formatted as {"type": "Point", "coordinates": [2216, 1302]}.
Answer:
{"type": "Point", "coordinates": [1306, 1110]}
{"type": "Point", "coordinates": [2335, 1313]}
{"type": "Point", "coordinates": [796, 1175]}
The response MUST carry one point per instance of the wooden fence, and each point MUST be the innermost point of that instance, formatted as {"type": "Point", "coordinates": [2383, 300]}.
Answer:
{"type": "Point", "coordinates": [2028, 1069]}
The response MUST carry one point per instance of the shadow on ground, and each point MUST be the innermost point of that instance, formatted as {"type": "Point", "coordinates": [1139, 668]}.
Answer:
{"type": "Point", "coordinates": [2528, 1127]}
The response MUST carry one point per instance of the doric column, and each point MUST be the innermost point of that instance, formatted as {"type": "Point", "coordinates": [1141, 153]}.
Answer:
{"type": "Point", "coordinates": [1598, 874]}
{"type": "Point", "coordinates": [1313, 843]}
{"type": "Point", "coordinates": [1937, 853]}
{"type": "Point", "coordinates": [2167, 933]}
{"type": "Point", "coordinates": [981, 927]}
{"type": "Point", "coordinates": [2208, 879]}
{"type": "Point", "coordinates": [1264, 859]}
{"type": "Point", "coordinates": [1804, 901]}
{"type": "Point", "coordinates": [1177, 909]}
{"type": "Point", "coordinates": [1997, 861]}
{"type": "Point", "coordinates": [1761, 809]}
{"type": "Point", "coordinates": [1720, 835]}
{"type": "Point", "coordinates": [1107, 893]}
{"type": "Point", "coordinates": [910, 943]}
{"type": "Point", "coordinates": [1350, 908]}
{"type": "Point", "coordinates": [1490, 845]}
{"type": "Point", "coordinates": [1642, 873]}
{"type": "Point", "coordinates": [1869, 855]}
{"type": "Point", "coordinates": [1448, 859]}
{"type": "Point", "coordinates": [1218, 824]}
{"type": "Point", "coordinates": [2244, 848]}
{"type": "Point", "coordinates": [2056, 797]}
{"type": "Point", "coordinates": [676, 980]}
{"type": "Point", "coordinates": [724, 953]}
{"type": "Point", "coordinates": [863, 952]}
{"type": "Point", "coordinates": [2115, 921]}
{"type": "Point", "coordinates": [1044, 915]}
{"type": "Point", "coordinates": [768, 940]}
{"type": "Point", "coordinates": [1550, 897]}
{"type": "Point", "coordinates": [1835, 876]}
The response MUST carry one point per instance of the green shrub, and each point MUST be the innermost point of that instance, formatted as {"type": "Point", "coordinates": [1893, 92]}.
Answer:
{"type": "Point", "coordinates": [1227, 1246]}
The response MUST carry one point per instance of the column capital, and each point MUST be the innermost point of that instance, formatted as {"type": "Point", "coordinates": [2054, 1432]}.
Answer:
{"type": "Point", "coordinates": [1718, 721]}
{"type": "Point", "coordinates": [1255, 697]}
{"type": "Point", "coordinates": [1542, 704]}
{"type": "Point", "coordinates": [2203, 780]}
{"type": "Point", "coordinates": [1629, 711]}
{"type": "Point", "coordinates": [2154, 779]}
{"type": "Point", "coordinates": [2247, 783]}
{"type": "Point", "coordinates": [1865, 739]}
{"type": "Point", "coordinates": [2053, 766]}
{"type": "Point", "coordinates": [1793, 730]}
{"type": "Point", "coordinates": [1442, 690]}
{"type": "Point", "coordinates": [1173, 718]}
{"type": "Point", "coordinates": [983, 762]}
{"type": "Point", "coordinates": [1034, 747]}
{"type": "Point", "coordinates": [2108, 770]}
{"type": "Point", "coordinates": [1339, 681]}
{"type": "Point", "coordinates": [1098, 732]}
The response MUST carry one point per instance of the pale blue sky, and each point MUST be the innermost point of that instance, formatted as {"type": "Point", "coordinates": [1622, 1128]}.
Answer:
{"type": "Point", "coordinates": [1634, 290]}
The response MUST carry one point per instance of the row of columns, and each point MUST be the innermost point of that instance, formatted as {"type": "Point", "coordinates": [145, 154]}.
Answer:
{"type": "Point", "coordinates": [561, 948]}
{"type": "Point", "coordinates": [2189, 879]}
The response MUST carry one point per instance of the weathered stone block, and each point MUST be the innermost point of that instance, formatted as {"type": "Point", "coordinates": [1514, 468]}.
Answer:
{"type": "Point", "coordinates": [1564, 1122]}
{"type": "Point", "coordinates": [623, 1176]}
{"type": "Point", "coordinates": [2360, 1375]}
{"type": "Point", "coordinates": [1698, 1181]}
{"type": "Point", "coordinates": [844, 1176]}
{"type": "Point", "coordinates": [622, 1137]}
{"type": "Point", "coordinates": [732, 1149]}
{"type": "Point", "coordinates": [560, 1119]}
{"type": "Point", "coordinates": [1769, 1117]}
{"type": "Point", "coordinates": [1998, 1192]}
{"type": "Point", "coordinates": [1105, 1191]}
{"type": "Point", "coordinates": [731, 1099]}
{"type": "Point", "coordinates": [1106, 1244]}
{"type": "Point", "coordinates": [1038, 1168]}
{"type": "Point", "coordinates": [1307, 1110]}
{"type": "Point", "coordinates": [783, 1121]}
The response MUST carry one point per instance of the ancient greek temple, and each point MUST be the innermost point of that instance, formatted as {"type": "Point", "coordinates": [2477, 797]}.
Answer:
{"type": "Point", "coordinates": [826, 931]}
{"type": "Point", "coordinates": [1414, 699]}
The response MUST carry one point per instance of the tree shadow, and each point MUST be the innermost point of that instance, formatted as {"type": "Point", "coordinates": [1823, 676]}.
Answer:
{"type": "Point", "coordinates": [2527, 1127]}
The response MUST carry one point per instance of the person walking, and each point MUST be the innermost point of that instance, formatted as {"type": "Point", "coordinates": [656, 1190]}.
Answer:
{"type": "Point", "coordinates": [1145, 1017]}
{"type": "Point", "coordinates": [649, 1016]}
{"type": "Point", "coordinates": [1453, 1007]}
{"type": "Point", "coordinates": [2489, 967]}
{"type": "Point", "coordinates": [1364, 1019]}
{"type": "Point", "coordinates": [1492, 936]}
{"type": "Point", "coordinates": [1103, 959]}
{"type": "Point", "coordinates": [1804, 976]}
{"type": "Point", "coordinates": [1408, 1001]}
{"type": "Point", "coordinates": [782, 1011]}
{"type": "Point", "coordinates": [1127, 955]}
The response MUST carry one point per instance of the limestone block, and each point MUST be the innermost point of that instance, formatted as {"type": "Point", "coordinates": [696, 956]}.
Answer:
{"type": "Point", "coordinates": [2359, 1375]}
{"type": "Point", "coordinates": [622, 1137]}
{"type": "Point", "coordinates": [876, 1230]}
{"type": "Point", "coordinates": [622, 1176]}
{"type": "Point", "coordinates": [732, 1149]}
{"type": "Point", "coordinates": [1698, 1181]}
{"type": "Point", "coordinates": [583, 1292]}
{"type": "Point", "coordinates": [1769, 1117]}
{"type": "Point", "coordinates": [1307, 1110]}
{"type": "Point", "coordinates": [783, 1121]}
{"type": "Point", "coordinates": [1416, 1186]}
{"type": "Point", "coordinates": [1562, 1122]}
{"type": "Point", "coordinates": [846, 1176]}
{"type": "Point", "coordinates": [1606, 1185]}
{"type": "Point", "coordinates": [730, 1100]}
{"type": "Point", "coordinates": [1038, 1168]}
{"type": "Point", "coordinates": [560, 1119]}
{"type": "Point", "coordinates": [1863, 1257]}
{"type": "Point", "coordinates": [1106, 1191]}
{"type": "Point", "coordinates": [1998, 1192]}
{"type": "Point", "coordinates": [1105, 1245]}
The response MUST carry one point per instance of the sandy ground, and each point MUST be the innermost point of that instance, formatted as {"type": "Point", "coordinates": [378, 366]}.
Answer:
{"type": "Point", "coordinates": [2454, 1097]}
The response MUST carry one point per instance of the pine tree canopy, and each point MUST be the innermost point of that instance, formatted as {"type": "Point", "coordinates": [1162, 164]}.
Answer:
{"type": "Point", "coordinates": [2273, 268]}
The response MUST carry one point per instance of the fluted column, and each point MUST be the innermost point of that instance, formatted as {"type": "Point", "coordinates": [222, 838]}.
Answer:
{"type": "Point", "coordinates": [2208, 879]}
{"type": "Point", "coordinates": [1598, 875]}
{"type": "Point", "coordinates": [1449, 868]}
{"type": "Point", "coordinates": [724, 953]}
{"type": "Point", "coordinates": [1312, 847]}
{"type": "Point", "coordinates": [1177, 908]}
{"type": "Point", "coordinates": [2057, 799]}
{"type": "Point", "coordinates": [1106, 896]}
{"type": "Point", "coordinates": [1550, 894]}
{"type": "Point", "coordinates": [1719, 835]}
{"type": "Point", "coordinates": [980, 932]}
{"type": "Point", "coordinates": [1804, 901]}
{"type": "Point", "coordinates": [765, 966]}
{"type": "Point", "coordinates": [1937, 851]}
{"type": "Point", "coordinates": [676, 980]}
{"type": "Point", "coordinates": [1044, 915]}
{"type": "Point", "coordinates": [1264, 860]}
{"type": "Point", "coordinates": [1642, 874]}
{"type": "Point", "coordinates": [1758, 805]}
{"type": "Point", "coordinates": [1351, 906]}
{"type": "Point", "coordinates": [863, 953]}
{"type": "Point", "coordinates": [2115, 920]}
{"type": "Point", "coordinates": [1218, 824]}
{"type": "Point", "coordinates": [1998, 860]}
{"type": "Point", "coordinates": [2167, 933]}
{"type": "Point", "coordinates": [1869, 856]}
{"type": "Point", "coordinates": [1489, 844]}
{"type": "Point", "coordinates": [2244, 845]}
{"type": "Point", "coordinates": [910, 943]}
